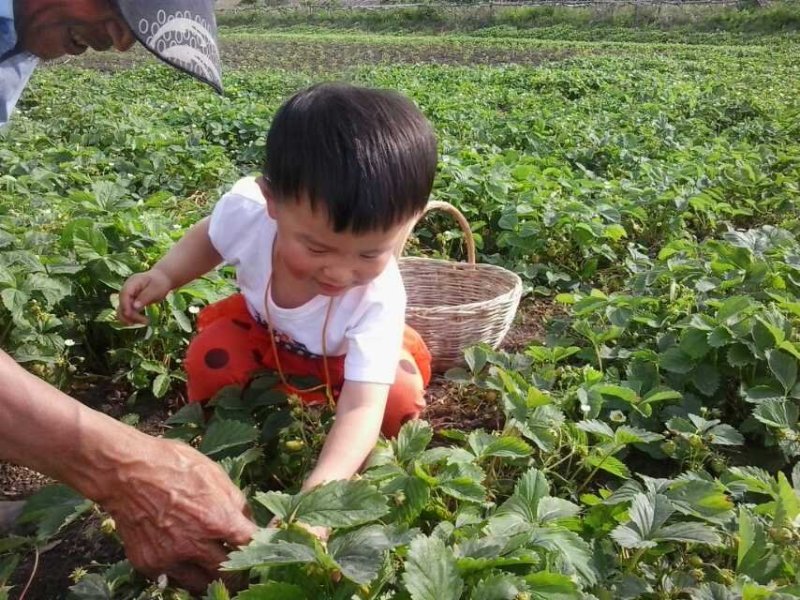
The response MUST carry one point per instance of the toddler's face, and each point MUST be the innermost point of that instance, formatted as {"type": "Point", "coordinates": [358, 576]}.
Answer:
{"type": "Point", "coordinates": [330, 262]}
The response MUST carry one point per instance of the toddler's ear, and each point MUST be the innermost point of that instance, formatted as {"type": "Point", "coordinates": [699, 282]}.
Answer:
{"type": "Point", "coordinates": [263, 183]}
{"type": "Point", "coordinates": [266, 191]}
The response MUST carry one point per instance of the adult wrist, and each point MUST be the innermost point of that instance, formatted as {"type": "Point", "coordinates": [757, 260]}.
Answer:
{"type": "Point", "coordinates": [105, 452]}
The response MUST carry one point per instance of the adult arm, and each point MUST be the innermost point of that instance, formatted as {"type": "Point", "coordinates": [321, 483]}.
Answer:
{"type": "Point", "coordinates": [174, 508]}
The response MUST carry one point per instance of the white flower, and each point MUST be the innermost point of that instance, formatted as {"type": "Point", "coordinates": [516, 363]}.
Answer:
{"type": "Point", "coordinates": [585, 408]}
{"type": "Point", "coordinates": [617, 416]}
{"type": "Point", "coordinates": [69, 343]}
{"type": "Point", "coordinates": [194, 309]}
{"type": "Point", "coordinates": [162, 582]}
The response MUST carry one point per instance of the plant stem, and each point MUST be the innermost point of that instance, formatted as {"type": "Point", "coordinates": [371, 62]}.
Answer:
{"type": "Point", "coordinates": [635, 559]}
{"type": "Point", "coordinates": [33, 573]}
{"type": "Point", "coordinates": [586, 481]}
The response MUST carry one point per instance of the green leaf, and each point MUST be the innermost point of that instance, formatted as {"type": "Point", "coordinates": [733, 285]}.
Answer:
{"type": "Point", "coordinates": [271, 547]}
{"type": "Point", "coordinates": [784, 367]}
{"type": "Point", "coordinates": [8, 565]}
{"type": "Point", "coordinates": [161, 385]}
{"type": "Point", "coordinates": [484, 445]}
{"type": "Point", "coordinates": [609, 464]}
{"type": "Point", "coordinates": [706, 379]}
{"type": "Point", "coordinates": [696, 533]}
{"type": "Point", "coordinates": [762, 336]}
{"type": "Point", "coordinates": [414, 496]}
{"type": "Point", "coordinates": [706, 500]}
{"type": "Point", "coordinates": [14, 299]}
{"type": "Point", "coordinates": [694, 343]}
{"type": "Point", "coordinates": [647, 513]}
{"type": "Point", "coordinates": [740, 355]}
{"type": "Point", "coordinates": [190, 414]}
{"type": "Point", "coordinates": [430, 571]}
{"type": "Point", "coordinates": [531, 487]}
{"type": "Point", "coordinates": [538, 425]}
{"type": "Point", "coordinates": [754, 555]}
{"type": "Point", "coordinates": [414, 437]}
{"type": "Point", "coordinates": [7, 278]}
{"type": "Point", "coordinates": [545, 585]}
{"type": "Point", "coordinates": [762, 393]}
{"type": "Point", "coordinates": [12, 543]}
{"type": "Point", "coordinates": [234, 466]}
{"type": "Point", "coordinates": [463, 481]}
{"type": "Point", "coordinates": [617, 391]}
{"type": "Point", "coordinates": [625, 434]}
{"type": "Point", "coordinates": [54, 290]}
{"type": "Point", "coordinates": [574, 554]}
{"type": "Point", "coordinates": [787, 506]}
{"type": "Point", "coordinates": [661, 395]}
{"type": "Point", "coordinates": [91, 587]}
{"type": "Point", "coordinates": [596, 427]}
{"type": "Point", "coordinates": [360, 553]}
{"type": "Point", "coordinates": [725, 435]}
{"type": "Point", "coordinates": [90, 243]}
{"type": "Point", "coordinates": [675, 360]}
{"type": "Point", "coordinates": [340, 504]}
{"type": "Point", "coordinates": [223, 434]}
{"type": "Point", "coordinates": [476, 358]}
{"type": "Point", "coordinates": [217, 591]}
{"type": "Point", "coordinates": [273, 590]}
{"type": "Point", "coordinates": [177, 306]}
{"type": "Point", "coordinates": [274, 424]}
{"type": "Point", "coordinates": [719, 337]}
{"type": "Point", "coordinates": [278, 503]}
{"type": "Point", "coordinates": [730, 311]}
{"type": "Point", "coordinates": [755, 479]}
{"type": "Point", "coordinates": [552, 509]}
{"type": "Point", "coordinates": [499, 587]}
{"type": "Point", "coordinates": [777, 413]}
{"type": "Point", "coordinates": [647, 526]}
{"type": "Point", "coordinates": [52, 508]}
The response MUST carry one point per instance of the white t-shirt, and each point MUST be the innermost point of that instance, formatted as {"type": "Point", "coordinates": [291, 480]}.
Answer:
{"type": "Point", "coordinates": [366, 322]}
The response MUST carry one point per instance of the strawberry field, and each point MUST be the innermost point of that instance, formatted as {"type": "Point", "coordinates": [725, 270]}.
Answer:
{"type": "Point", "coordinates": [647, 443]}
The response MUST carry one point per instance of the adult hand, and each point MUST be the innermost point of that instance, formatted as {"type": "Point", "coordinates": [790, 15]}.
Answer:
{"type": "Point", "coordinates": [175, 509]}
{"type": "Point", "coordinates": [177, 513]}
{"type": "Point", "coordinates": [139, 291]}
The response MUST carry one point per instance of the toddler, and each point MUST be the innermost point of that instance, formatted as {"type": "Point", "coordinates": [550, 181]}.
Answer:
{"type": "Point", "coordinates": [347, 172]}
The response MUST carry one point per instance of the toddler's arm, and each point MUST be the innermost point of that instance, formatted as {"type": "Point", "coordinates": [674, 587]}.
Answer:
{"type": "Point", "coordinates": [193, 256]}
{"type": "Point", "coordinates": [359, 414]}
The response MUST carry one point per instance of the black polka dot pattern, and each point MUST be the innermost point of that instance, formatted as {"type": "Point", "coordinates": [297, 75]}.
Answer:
{"type": "Point", "coordinates": [408, 367]}
{"type": "Point", "coordinates": [217, 358]}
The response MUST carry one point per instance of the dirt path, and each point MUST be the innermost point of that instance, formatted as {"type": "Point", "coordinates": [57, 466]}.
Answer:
{"type": "Point", "coordinates": [226, 4]}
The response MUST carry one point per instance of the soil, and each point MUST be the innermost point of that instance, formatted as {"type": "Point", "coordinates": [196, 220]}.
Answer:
{"type": "Point", "coordinates": [325, 56]}
{"type": "Point", "coordinates": [82, 544]}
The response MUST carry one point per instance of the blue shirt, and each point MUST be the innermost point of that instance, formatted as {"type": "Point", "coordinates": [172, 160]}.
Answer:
{"type": "Point", "coordinates": [16, 65]}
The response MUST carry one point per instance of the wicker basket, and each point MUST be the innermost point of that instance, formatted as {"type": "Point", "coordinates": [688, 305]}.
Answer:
{"type": "Point", "coordinates": [457, 305]}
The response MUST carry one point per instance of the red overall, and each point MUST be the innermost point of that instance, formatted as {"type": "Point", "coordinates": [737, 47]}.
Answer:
{"type": "Point", "coordinates": [230, 345]}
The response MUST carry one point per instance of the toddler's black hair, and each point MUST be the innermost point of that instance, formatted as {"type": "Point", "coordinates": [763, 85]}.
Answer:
{"type": "Point", "coordinates": [367, 156]}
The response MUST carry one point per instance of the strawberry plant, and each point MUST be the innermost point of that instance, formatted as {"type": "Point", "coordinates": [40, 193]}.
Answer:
{"type": "Point", "coordinates": [648, 442]}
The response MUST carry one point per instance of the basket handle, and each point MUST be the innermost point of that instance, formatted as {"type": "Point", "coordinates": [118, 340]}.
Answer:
{"type": "Point", "coordinates": [440, 205]}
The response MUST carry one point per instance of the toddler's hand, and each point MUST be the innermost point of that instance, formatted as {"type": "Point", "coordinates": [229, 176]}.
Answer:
{"type": "Point", "coordinates": [140, 291]}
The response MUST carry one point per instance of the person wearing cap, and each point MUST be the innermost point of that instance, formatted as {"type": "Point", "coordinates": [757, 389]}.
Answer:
{"type": "Point", "coordinates": [176, 511]}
